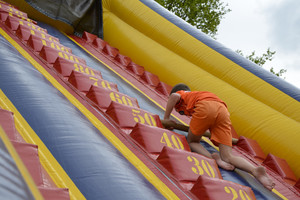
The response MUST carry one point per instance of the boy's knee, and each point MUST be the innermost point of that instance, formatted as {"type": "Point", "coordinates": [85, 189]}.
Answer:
{"type": "Point", "coordinates": [191, 138]}
{"type": "Point", "coordinates": [226, 157]}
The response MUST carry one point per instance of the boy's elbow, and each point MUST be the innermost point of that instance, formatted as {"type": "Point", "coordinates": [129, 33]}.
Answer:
{"type": "Point", "coordinates": [174, 97]}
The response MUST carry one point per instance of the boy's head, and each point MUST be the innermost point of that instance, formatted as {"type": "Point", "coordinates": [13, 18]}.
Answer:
{"type": "Point", "coordinates": [180, 86]}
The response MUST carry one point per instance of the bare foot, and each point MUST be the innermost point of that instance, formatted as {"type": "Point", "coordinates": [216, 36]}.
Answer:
{"type": "Point", "coordinates": [221, 163]}
{"type": "Point", "coordinates": [261, 175]}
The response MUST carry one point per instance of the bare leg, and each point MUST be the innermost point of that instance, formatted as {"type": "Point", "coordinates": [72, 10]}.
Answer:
{"type": "Point", "coordinates": [258, 172]}
{"type": "Point", "coordinates": [261, 175]}
{"type": "Point", "coordinates": [194, 142]}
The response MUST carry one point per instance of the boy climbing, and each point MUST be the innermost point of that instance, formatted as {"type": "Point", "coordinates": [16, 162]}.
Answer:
{"type": "Point", "coordinates": [209, 112]}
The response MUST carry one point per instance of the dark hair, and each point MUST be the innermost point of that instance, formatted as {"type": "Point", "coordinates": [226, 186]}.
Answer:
{"type": "Point", "coordinates": [180, 86]}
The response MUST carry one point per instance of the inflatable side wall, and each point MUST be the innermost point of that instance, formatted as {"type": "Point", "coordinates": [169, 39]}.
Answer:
{"type": "Point", "coordinates": [262, 106]}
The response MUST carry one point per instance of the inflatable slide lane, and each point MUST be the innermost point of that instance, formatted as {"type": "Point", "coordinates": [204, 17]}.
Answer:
{"type": "Point", "coordinates": [83, 92]}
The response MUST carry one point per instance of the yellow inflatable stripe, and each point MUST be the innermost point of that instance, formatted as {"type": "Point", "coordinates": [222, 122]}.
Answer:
{"type": "Point", "coordinates": [279, 194]}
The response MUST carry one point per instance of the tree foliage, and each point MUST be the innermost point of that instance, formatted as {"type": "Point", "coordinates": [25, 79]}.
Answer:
{"type": "Point", "coordinates": [205, 15]}
{"type": "Point", "coordinates": [261, 60]}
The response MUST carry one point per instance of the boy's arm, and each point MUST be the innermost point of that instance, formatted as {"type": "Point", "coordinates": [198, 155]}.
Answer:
{"type": "Point", "coordinates": [168, 124]}
{"type": "Point", "coordinates": [173, 99]}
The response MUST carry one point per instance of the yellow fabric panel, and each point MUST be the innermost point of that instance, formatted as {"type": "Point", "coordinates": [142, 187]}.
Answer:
{"type": "Point", "coordinates": [258, 110]}
{"type": "Point", "coordinates": [149, 24]}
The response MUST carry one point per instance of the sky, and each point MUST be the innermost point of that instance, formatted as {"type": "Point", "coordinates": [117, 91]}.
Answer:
{"type": "Point", "coordinates": [257, 25]}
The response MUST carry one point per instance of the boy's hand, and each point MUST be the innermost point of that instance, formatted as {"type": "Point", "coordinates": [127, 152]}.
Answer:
{"type": "Point", "coordinates": [171, 124]}
{"type": "Point", "coordinates": [168, 124]}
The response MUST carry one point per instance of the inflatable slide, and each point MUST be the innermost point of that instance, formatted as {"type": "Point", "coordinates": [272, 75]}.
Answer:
{"type": "Point", "coordinates": [81, 104]}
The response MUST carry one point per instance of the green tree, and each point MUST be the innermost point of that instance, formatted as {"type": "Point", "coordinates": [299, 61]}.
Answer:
{"type": "Point", "coordinates": [261, 60]}
{"type": "Point", "coordinates": [205, 15]}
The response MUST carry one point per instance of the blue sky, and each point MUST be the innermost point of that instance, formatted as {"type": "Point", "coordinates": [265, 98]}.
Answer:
{"type": "Point", "coordinates": [262, 24]}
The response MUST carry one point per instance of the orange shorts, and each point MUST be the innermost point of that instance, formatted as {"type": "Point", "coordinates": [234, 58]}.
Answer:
{"type": "Point", "coordinates": [213, 116]}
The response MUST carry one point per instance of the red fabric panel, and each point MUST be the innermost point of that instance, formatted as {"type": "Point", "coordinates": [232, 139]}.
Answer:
{"type": "Point", "coordinates": [188, 166]}
{"type": "Point", "coordinates": [154, 139]}
{"type": "Point", "coordinates": [99, 44]}
{"type": "Point", "coordinates": [7, 123]}
{"type": "Point", "coordinates": [211, 188]}
{"type": "Point", "coordinates": [65, 68]}
{"type": "Point", "coordinates": [29, 155]}
{"type": "Point", "coordinates": [251, 147]}
{"type": "Point", "coordinates": [55, 193]}
{"type": "Point", "coordinates": [50, 55]}
{"type": "Point", "coordinates": [281, 167]}
{"type": "Point", "coordinates": [103, 97]}
{"type": "Point", "coordinates": [128, 116]}
{"type": "Point", "coordinates": [37, 43]}
{"type": "Point", "coordinates": [136, 69]}
{"type": "Point", "coordinates": [83, 82]}
{"type": "Point", "coordinates": [164, 88]}
{"type": "Point", "coordinates": [14, 22]}
{"type": "Point", "coordinates": [150, 79]}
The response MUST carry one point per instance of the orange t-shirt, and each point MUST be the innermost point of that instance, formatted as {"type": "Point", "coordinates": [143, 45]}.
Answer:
{"type": "Point", "coordinates": [188, 100]}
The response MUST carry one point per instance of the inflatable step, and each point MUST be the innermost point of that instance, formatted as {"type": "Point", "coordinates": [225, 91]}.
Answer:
{"type": "Point", "coordinates": [37, 43]}
{"type": "Point", "coordinates": [281, 167]}
{"type": "Point", "coordinates": [6, 7]}
{"type": "Point", "coordinates": [151, 79]}
{"type": "Point", "coordinates": [30, 157]}
{"type": "Point", "coordinates": [98, 43]}
{"type": "Point", "coordinates": [83, 82]}
{"type": "Point", "coordinates": [13, 23]}
{"type": "Point", "coordinates": [24, 33]}
{"type": "Point", "coordinates": [272, 162]}
{"type": "Point", "coordinates": [135, 69]}
{"type": "Point", "coordinates": [187, 166]}
{"type": "Point", "coordinates": [154, 139]}
{"type": "Point", "coordinates": [163, 88]}
{"type": "Point", "coordinates": [127, 116]}
{"type": "Point", "coordinates": [65, 68]}
{"type": "Point", "coordinates": [252, 147]}
{"type": "Point", "coordinates": [110, 51]}
{"type": "Point", "coordinates": [7, 123]}
{"type": "Point", "coordinates": [50, 55]}
{"type": "Point", "coordinates": [103, 97]}
{"type": "Point", "coordinates": [55, 193]}
{"type": "Point", "coordinates": [297, 186]}
{"type": "Point", "coordinates": [211, 188]}
{"type": "Point", "coordinates": [125, 62]}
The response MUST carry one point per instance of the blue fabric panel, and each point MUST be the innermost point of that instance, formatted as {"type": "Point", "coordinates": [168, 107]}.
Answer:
{"type": "Point", "coordinates": [97, 168]}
